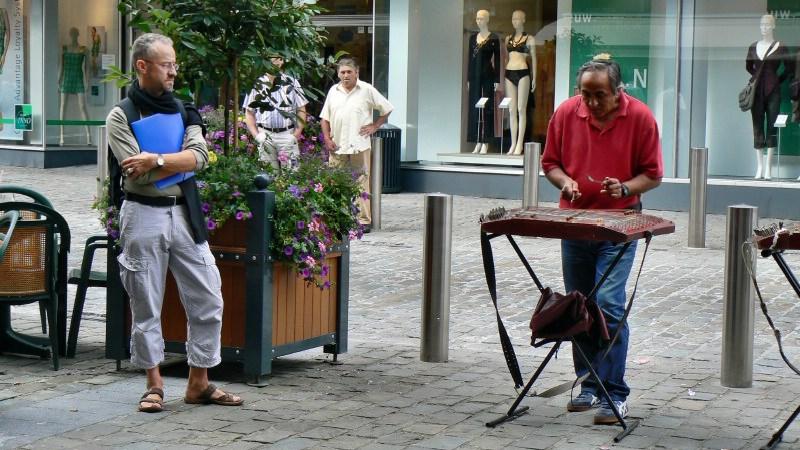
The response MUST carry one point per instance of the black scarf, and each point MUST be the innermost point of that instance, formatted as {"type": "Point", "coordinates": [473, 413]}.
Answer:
{"type": "Point", "coordinates": [166, 103]}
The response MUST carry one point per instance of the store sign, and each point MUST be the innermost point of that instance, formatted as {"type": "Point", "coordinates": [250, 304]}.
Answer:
{"type": "Point", "coordinates": [620, 28]}
{"type": "Point", "coordinates": [23, 117]}
{"type": "Point", "coordinates": [12, 64]}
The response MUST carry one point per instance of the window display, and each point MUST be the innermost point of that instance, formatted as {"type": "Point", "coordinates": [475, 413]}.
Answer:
{"type": "Point", "coordinates": [72, 81]}
{"type": "Point", "coordinates": [520, 79]}
{"type": "Point", "coordinates": [12, 66]}
{"type": "Point", "coordinates": [770, 61]}
{"type": "Point", "coordinates": [483, 79]}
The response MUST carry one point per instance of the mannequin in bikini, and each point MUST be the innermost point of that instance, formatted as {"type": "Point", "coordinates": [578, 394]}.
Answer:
{"type": "Point", "coordinates": [483, 76]}
{"type": "Point", "coordinates": [72, 80]}
{"type": "Point", "coordinates": [520, 79]}
{"type": "Point", "coordinates": [767, 101]}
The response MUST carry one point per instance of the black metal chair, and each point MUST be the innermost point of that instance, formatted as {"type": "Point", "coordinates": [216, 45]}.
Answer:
{"type": "Point", "coordinates": [33, 268]}
{"type": "Point", "coordinates": [84, 278]}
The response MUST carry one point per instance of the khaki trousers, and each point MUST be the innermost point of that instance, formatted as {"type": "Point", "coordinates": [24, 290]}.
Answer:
{"type": "Point", "coordinates": [361, 162]}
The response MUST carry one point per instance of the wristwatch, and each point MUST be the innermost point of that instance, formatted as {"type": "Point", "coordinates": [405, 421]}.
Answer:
{"type": "Point", "coordinates": [626, 191]}
{"type": "Point", "coordinates": [160, 161]}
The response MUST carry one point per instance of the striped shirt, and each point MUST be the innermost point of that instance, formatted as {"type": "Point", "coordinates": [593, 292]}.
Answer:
{"type": "Point", "coordinates": [288, 98]}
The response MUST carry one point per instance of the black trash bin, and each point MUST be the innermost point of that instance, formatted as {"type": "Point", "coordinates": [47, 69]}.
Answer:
{"type": "Point", "coordinates": [391, 158]}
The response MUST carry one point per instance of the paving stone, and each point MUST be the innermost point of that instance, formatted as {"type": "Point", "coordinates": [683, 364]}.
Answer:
{"type": "Point", "coordinates": [268, 436]}
{"type": "Point", "coordinates": [382, 396]}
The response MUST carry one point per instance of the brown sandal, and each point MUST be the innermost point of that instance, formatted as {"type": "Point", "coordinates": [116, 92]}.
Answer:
{"type": "Point", "coordinates": [156, 405]}
{"type": "Point", "coordinates": [206, 399]}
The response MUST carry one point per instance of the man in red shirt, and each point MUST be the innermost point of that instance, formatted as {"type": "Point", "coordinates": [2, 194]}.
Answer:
{"type": "Point", "coordinates": [603, 151]}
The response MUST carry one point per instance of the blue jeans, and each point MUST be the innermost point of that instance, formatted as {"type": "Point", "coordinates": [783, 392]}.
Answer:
{"type": "Point", "coordinates": [583, 263]}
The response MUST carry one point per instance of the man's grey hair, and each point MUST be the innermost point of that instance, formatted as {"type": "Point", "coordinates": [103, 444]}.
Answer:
{"type": "Point", "coordinates": [143, 46]}
{"type": "Point", "coordinates": [609, 66]}
{"type": "Point", "coordinates": [347, 61]}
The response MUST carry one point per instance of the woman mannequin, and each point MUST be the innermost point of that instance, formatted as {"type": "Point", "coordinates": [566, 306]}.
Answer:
{"type": "Point", "coordinates": [520, 79]}
{"type": "Point", "coordinates": [95, 52]}
{"type": "Point", "coordinates": [767, 100]}
{"type": "Point", "coordinates": [72, 80]}
{"type": "Point", "coordinates": [483, 73]}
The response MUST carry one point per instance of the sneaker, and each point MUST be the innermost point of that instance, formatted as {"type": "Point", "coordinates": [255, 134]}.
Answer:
{"type": "Point", "coordinates": [583, 402]}
{"type": "Point", "coordinates": [605, 416]}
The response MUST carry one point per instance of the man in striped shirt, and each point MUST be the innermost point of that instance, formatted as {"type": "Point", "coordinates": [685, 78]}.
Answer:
{"type": "Point", "coordinates": [277, 123]}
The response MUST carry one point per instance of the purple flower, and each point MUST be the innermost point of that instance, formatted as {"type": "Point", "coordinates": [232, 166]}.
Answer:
{"type": "Point", "coordinates": [201, 185]}
{"type": "Point", "coordinates": [326, 285]}
{"type": "Point", "coordinates": [236, 194]}
{"type": "Point", "coordinates": [295, 191]}
{"type": "Point", "coordinates": [206, 208]}
{"type": "Point", "coordinates": [239, 215]}
{"type": "Point", "coordinates": [301, 224]}
{"type": "Point", "coordinates": [249, 215]}
{"type": "Point", "coordinates": [288, 250]}
{"type": "Point", "coordinates": [306, 273]}
{"type": "Point", "coordinates": [211, 224]}
{"type": "Point", "coordinates": [283, 156]}
{"type": "Point", "coordinates": [114, 234]}
{"type": "Point", "coordinates": [325, 270]}
{"type": "Point", "coordinates": [365, 196]}
{"type": "Point", "coordinates": [318, 187]}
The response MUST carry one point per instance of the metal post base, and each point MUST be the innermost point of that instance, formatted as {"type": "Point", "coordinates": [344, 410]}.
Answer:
{"type": "Point", "coordinates": [258, 381]}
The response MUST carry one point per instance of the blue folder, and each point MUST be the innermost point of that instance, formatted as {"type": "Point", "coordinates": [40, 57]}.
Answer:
{"type": "Point", "coordinates": [161, 133]}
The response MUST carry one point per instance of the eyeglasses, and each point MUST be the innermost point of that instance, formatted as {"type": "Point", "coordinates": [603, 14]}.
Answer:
{"type": "Point", "coordinates": [166, 65]}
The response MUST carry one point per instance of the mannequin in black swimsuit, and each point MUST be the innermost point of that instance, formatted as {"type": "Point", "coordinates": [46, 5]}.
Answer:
{"type": "Point", "coordinates": [520, 79]}
{"type": "Point", "coordinates": [484, 74]}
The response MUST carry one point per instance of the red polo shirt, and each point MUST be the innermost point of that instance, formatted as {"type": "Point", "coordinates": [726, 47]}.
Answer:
{"type": "Point", "coordinates": [628, 146]}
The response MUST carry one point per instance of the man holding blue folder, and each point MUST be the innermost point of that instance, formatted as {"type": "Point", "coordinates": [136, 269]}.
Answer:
{"type": "Point", "coordinates": [162, 227]}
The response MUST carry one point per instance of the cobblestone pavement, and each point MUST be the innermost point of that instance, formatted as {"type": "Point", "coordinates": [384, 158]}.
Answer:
{"type": "Point", "coordinates": [382, 396]}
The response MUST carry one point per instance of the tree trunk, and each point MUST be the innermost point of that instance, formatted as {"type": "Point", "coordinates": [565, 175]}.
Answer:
{"type": "Point", "coordinates": [235, 95]}
{"type": "Point", "coordinates": [226, 112]}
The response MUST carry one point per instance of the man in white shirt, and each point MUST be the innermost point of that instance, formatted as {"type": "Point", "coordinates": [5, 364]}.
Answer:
{"type": "Point", "coordinates": [278, 126]}
{"type": "Point", "coordinates": [347, 126]}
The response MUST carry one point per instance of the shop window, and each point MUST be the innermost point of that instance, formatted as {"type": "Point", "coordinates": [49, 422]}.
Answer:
{"type": "Point", "coordinates": [14, 79]}
{"type": "Point", "coordinates": [730, 37]}
{"type": "Point", "coordinates": [86, 47]}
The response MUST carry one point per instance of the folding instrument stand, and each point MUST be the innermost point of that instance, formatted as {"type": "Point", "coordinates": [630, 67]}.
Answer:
{"type": "Point", "coordinates": [777, 255]}
{"type": "Point", "coordinates": [511, 359]}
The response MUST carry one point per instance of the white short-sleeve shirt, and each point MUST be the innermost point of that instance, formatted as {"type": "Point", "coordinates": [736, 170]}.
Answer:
{"type": "Point", "coordinates": [347, 112]}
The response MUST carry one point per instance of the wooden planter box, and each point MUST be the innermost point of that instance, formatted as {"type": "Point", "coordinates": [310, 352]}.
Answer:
{"type": "Point", "coordinates": [269, 311]}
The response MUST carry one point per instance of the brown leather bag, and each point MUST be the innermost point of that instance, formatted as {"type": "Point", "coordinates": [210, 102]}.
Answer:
{"type": "Point", "coordinates": [560, 316]}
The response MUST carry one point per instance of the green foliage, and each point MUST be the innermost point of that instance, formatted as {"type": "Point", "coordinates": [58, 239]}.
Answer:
{"type": "Point", "coordinates": [307, 192]}
{"type": "Point", "coordinates": [229, 43]}
{"type": "Point", "coordinates": [314, 209]}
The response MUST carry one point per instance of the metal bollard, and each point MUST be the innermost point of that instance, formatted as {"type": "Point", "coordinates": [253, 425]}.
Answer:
{"type": "Point", "coordinates": [435, 333]}
{"type": "Point", "coordinates": [102, 159]}
{"type": "Point", "coordinates": [530, 174]}
{"type": "Point", "coordinates": [738, 316]}
{"type": "Point", "coordinates": [698, 183]}
{"type": "Point", "coordinates": [376, 182]}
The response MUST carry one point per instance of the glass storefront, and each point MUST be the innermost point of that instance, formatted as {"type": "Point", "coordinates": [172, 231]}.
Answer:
{"type": "Point", "coordinates": [725, 33]}
{"type": "Point", "coordinates": [684, 59]}
{"type": "Point", "coordinates": [464, 51]}
{"type": "Point", "coordinates": [53, 56]}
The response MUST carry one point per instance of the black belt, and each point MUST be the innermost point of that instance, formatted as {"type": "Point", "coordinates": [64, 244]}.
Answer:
{"type": "Point", "coordinates": [155, 201]}
{"type": "Point", "coordinates": [277, 130]}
